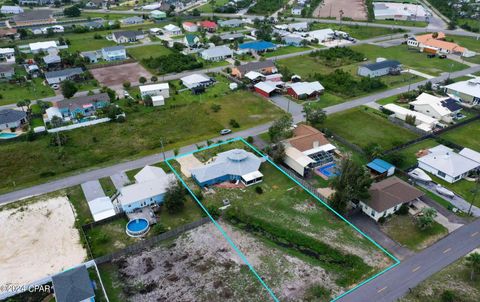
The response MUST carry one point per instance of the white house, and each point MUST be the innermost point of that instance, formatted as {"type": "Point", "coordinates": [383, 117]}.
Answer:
{"type": "Point", "coordinates": [127, 36]}
{"type": "Point", "coordinates": [158, 100]}
{"type": "Point", "coordinates": [296, 11]}
{"type": "Point", "coordinates": [11, 9]}
{"type": "Point", "coordinates": [7, 54]}
{"type": "Point", "coordinates": [161, 89]}
{"type": "Point", "coordinates": [422, 121]}
{"type": "Point", "coordinates": [151, 184]}
{"type": "Point", "coordinates": [196, 80]}
{"type": "Point", "coordinates": [101, 208]}
{"type": "Point", "coordinates": [387, 196]}
{"type": "Point", "coordinates": [42, 46]}
{"type": "Point", "coordinates": [446, 164]}
{"type": "Point", "coordinates": [172, 30]}
{"type": "Point", "coordinates": [190, 26]}
{"type": "Point", "coordinates": [322, 35]}
{"type": "Point", "coordinates": [217, 53]}
{"type": "Point", "coordinates": [467, 92]}
{"type": "Point", "coordinates": [444, 109]}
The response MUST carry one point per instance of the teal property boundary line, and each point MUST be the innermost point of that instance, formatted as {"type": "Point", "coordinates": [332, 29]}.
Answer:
{"type": "Point", "coordinates": [237, 250]}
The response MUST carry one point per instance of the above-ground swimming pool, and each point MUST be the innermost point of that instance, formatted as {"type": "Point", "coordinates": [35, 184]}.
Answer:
{"type": "Point", "coordinates": [4, 135]}
{"type": "Point", "coordinates": [329, 170]}
{"type": "Point", "coordinates": [137, 227]}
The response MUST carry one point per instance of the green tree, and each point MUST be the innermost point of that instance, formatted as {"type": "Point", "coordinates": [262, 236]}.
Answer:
{"type": "Point", "coordinates": [174, 199]}
{"type": "Point", "coordinates": [142, 80]}
{"type": "Point", "coordinates": [426, 220]}
{"type": "Point", "coordinates": [72, 11]}
{"type": "Point", "coordinates": [314, 116]}
{"type": "Point", "coordinates": [276, 152]}
{"type": "Point", "coordinates": [352, 183]}
{"type": "Point", "coordinates": [473, 262]}
{"type": "Point", "coordinates": [373, 150]}
{"type": "Point", "coordinates": [154, 79]}
{"type": "Point", "coordinates": [68, 89]}
{"type": "Point", "coordinates": [280, 128]}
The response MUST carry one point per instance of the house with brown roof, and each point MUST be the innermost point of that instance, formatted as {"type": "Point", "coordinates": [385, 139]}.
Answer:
{"type": "Point", "coordinates": [263, 67]}
{"type": "Point", "coordinates": [387, 196]}
{"type": "Point", "coordinates": [431, 43]}
{"type": "Point", "coordinates": [34, 17]}
{"type": "Point", "coordinates": [307, 149]}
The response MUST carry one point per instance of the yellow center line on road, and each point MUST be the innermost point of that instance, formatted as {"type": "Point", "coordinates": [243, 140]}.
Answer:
{"type": "Point", "coordinates": [416, 269]}
{"type": "Point", "coordinates": [474, 234]}
{"type": "Point", "coordinates": [447, 250]}
{"type": "Point", "coordinates": [382, 289]}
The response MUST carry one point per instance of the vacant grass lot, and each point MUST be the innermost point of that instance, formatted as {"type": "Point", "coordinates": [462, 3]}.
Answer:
{"type": "Point", "coordinates": [404, 230]}
{"type": "Point", "coordinates": [208, 8]}
{"type": "Point", "coordinates": [32, 90]}
{"type": "Point", "coordinates": [410, 58]}
{"type": "Point", "coordinates": [357, 31]}
{"type": "Point", "coordinates": [185, 119]}
{"type": "Point", "coordinates": [361, 126]}
{"type": "Point", "coordinates": [467, 136]}
{"type": "Point", "coordinates": [284, 51]}
{"type": "Point", "coordinates": [145, 52]}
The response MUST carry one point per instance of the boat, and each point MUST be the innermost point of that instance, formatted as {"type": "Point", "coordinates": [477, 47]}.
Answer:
{"type": "Point", "coordinates": [419, 174]}
{"type": "Point", "coordinates": [444, 191]}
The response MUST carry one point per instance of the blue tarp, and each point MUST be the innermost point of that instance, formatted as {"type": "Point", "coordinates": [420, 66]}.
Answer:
{"type": "Point", "coordinates": [379, 165]}
{"type": "Point", "coordinates": [258, 45]}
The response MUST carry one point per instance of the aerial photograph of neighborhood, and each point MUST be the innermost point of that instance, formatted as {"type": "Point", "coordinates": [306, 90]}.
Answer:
{"type": "Point", "coordinates": [240, 150]}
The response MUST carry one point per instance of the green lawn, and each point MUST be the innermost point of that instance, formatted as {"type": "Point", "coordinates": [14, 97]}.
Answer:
{"type": "Point", "coordinates": [410, 58]}
{"type": "Point", "coordinates": [33, 90]}
{"type": "Point", "coordinates": [361, 126]}
{"type": "Point", "coordinates": [108, 186]}
{"type": "Point", "coordinates": [467, 136]}
{"type": "Point", "coordinates": [145, 52]}
{"type": "Point", "coordinates": [106, 16]}
{"type": "Point", "coordinates": [403, 23]}
{"type": "Point", "coordinates": [88, 85]}
{"type": "Point", "coordinates": [403, 229]}
{"type": "Point", "coordinates": [207, 8]}
{"type": "Point", "coordinates": [284, 51]}
{"type": "Point", "coordinates": [185, 119]}
{"type": "Point", "coordinates": [409, 153]}
{"type": "Point", "coordinates": [357, 31]}
{"type": "Point", "coordinates": [111, 282]}
{"type": "Point", "coordinates": [297, 216]}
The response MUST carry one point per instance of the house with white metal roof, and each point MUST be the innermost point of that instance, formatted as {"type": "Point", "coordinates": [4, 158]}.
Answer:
{"type": "Point", "coordinates": [422, 121]}
{"type": "Point", "coordinates": [196, 80]}
{"type": "Point", "coordinates": [217, 53]}
{"type": "Point", "coordinates": [11, 9]}
{"type": "Point", "coordinates": [303, 90]}
{"type": "Point", "coordinates": [42, 46]}
{"type": "Point", "coordinates": [101, 208]}
{"type": "Point", "coordinates": [444, 109]}
{"type": "Point", "coordinates": [153, 90]}
{"type": "Point", "coordinates": [446, 164]}
{"type": "Point", "coordinates": [467, 92]}
{"type": "Point", "coordinates": [172, 30]}
{"type": "Point", "coordinates": [233, 165]}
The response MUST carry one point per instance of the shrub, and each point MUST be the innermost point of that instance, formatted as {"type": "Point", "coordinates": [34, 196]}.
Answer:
{"type": "Point", "coordinates": [259, 190]}
{"type": "Point", "coordinates": [234, 123]}
{"type": "Point", "coordinates": [214, 211]}
{"type": "Point", "coordinates": [216, 107]}
{"type": "Point", "coordinates": [250, 140]}
{"type": "Point", "coordinates": [403, 210]}
{"type": "Point", "coordinates": [158, 228]}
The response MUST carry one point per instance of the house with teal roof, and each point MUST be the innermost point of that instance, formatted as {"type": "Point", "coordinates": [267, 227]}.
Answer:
{"type": "Point", "coordinates": [191, 41]}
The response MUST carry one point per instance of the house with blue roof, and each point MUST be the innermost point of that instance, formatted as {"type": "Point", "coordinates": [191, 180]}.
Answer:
{"type": "Point", "coordinates": [82, 106]}
{"type": "Point", "coordinates": [233, 165]}
{"type": "Point", "coordinates": [257, 46]}
{"type": "Point", "coordinates": [379, 167]}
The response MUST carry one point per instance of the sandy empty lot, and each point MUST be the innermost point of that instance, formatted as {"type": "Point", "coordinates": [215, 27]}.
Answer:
{"type": "Point", "coordinates": [354, 9]}
{"type": "Point", "coordinates": [37, 240]}
{"type": "Point", "coordinates": [115, 76]}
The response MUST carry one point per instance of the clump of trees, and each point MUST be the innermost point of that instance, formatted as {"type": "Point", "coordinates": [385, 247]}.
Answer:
{"type": "Point", "coordinates": [281, 129]}
{"type": "Point", "coordinates": [313, 115]}
{"type": "Point", "coordinates": [426, 220]}
{"type": "Point", "coordinates": [344, 84]}
{"type": "Point", "coordinates": [174, 199]}
{"type": "Point", "coordinates": [175, 62]}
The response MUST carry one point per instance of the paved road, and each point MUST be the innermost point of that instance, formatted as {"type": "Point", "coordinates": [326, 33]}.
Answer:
{"type": "Point", "coordinates": [395, 283]}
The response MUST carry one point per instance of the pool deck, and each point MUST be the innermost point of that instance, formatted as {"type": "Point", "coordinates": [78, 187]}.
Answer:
{"type": "Point", "coordinates": [143, 213]}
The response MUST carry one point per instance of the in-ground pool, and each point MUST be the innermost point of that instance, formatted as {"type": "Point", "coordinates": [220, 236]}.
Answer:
{"type": "Point", "coordinates": [329, 170]}
{"type": "Point", "coordinates": [4, 135]}
{"type": "Point", "coordinates": [137, 227]}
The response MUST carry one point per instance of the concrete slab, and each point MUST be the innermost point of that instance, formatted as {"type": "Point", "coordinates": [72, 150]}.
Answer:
{"type": "Point", "coordinates": [120, 180]}
{"type": "Point", "coordinates": [188, 162]}
{"type": "Point", "coordinates": [92, 190]}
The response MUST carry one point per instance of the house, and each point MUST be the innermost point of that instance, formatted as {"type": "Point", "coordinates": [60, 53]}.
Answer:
{"type": "Point", "coordinates": [7, 71]}
{"type": "Point", "coordinates": [308, 148]}
{"type": "Point", "coordinates": [422, 121]}
{"type": "Point", "coordinates": [58, 76]}
{"type": "Point", "coordinates": [231, 23]}
{"type": "Point", "coordinates": [431, 44]}
{"type": "Point", "coordinates": [132, 20]}
{"type": "Point", "coordinates": [470, 154]}
{"type": "Point", "coordinates": [190, 26]}
{"type": "Point", "coordinates": [161, 89]}
{"type": "Point", "coordinates": [42, 46]}
{"type": "Point", "coordinates": [130, 36]}
{"type": "Point", "coordinates": [296, 10]}
{"type": "Point", "coordinates": [209, 26]}
{"type": "Point", "coordinates": [379, 69]}
{"type": "Point", "coordinates": [34, 17]}
{"type": "Point", "coordinates": [293, 27]}
{"type": "Point", "coordinates": [52, 112]}
{"type": "Point", "coordinates": [83, 105]}
{"type": "Point", "coordinates": [467, 92]}
{"type": "Point", "coordinates": [114, 53]}
{"type": "Point", "coordinates": [73, 285]}
{"type": "Point", "coordinates": [93, 24]}
{"type": "Point", "coordinates": [444, 109]}
{"type": "Point", "coordinates": [400, 11]}
{"type": "Point", "coordinates": [35, 2]}
{"type": "Point", "coordinates": [232, 37]}
{"type": "Point", "coordinates": [101, 207]}
{"type": "Point", "coordinates": [263, 67]}
{"type": "Point", "coordinates": [150, 186]}
{"type": "Point", "coordinates": [53, 28]}
{"type": "Point", "coordinates": [91, 56]}
{"type": "Point", "coordinates": [217, 53]}
{"type": "Point", "coordinates": [9, 9]}
{"type": "Point", "coordinates": [196, 80]}
{"type": "Point", "coordinates": [10, 33]}
{"type": "Point", "coordinates": [191, 40]}
{"type": "Point", "coordinates": [233, 165]}
{"type": "Point", "coordinates": [257, 46]}
{"type": "Point", "coordinates": [305, 90]}
{"type": "Point", "coordinates": [387, 196]}
{"type": "Point", "coordinates": [321, 35]}
{"type": "Point", "coordinates": [446, 164]}
{"type": "Point", "coordinates": [52, 59]}
{"type": "Point", "coordinates": [158, 15]}
{"type": "Point", "coordinates": [10, 118]}
{"type": "Point", "coordinates": [379, 167]}
{"type": "Point", "coordinates": [172, 30]}
{"type": "Point", "coordinates": [266, 88]}
{"type": "Point", "coordinates": [95, 4]}
{"type": "Point", "coordinates": [293, 40]}
{"type": "Point", "coordinates": [7, 54]}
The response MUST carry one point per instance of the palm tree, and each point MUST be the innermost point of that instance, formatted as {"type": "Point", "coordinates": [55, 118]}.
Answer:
{"type": "Point", "coordinates": [473, 262]}
{"type": "Point", "coordinates": [21, 104]}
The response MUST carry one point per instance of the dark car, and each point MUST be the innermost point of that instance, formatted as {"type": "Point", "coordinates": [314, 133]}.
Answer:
{"type": "Point", "coordinates": [431, 55]}
{"type": "Point", "coordinates": [442, 56]}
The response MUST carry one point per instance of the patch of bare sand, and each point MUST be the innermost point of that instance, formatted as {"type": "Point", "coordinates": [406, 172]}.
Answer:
{"type": "Point", "coordinates": [37, 240]}
{"type": "Point", "coordinates": [354, 9]}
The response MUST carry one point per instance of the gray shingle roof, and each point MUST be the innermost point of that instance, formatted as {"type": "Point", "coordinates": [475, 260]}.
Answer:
{"type": "Point", "coordinates": [10, 116]}
{"type": "Point", "coordinates": [127, 34]}
{"type": "Point", "coordinates": [6, 68]}
{"type": "Point", "coordinates": [82, 100]}
{"type": "Point", "coordinates": [40, 14]}
{"type": "Point", "coordinates": [73, 285]}
{"type": "Point", "coordinates": [254, 66]}
{"type": "Point", "coordinates": [382, 65]}
{"type": "Point", "coordinates": [64, 72]}
{"type": "Point", "coordinates": [113, 48]}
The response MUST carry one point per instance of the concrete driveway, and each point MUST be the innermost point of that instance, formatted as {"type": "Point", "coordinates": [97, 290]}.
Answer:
{"type": "Point", "coordinates": [92, 190]}
{"type": "Point", "coordinates": [119, 180]}
{"type": "Point", "coordinates": [287, 105]}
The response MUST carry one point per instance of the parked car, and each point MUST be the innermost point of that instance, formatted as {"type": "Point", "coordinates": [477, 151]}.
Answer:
{"type": "Point", "coordinates": [55, 86]}
{"type": "Point", "coordinates": [442, 56]}
{"type": "Point", "coordinates": [225, 131]}
{"type": "Point", "coordinates": [431, 55]}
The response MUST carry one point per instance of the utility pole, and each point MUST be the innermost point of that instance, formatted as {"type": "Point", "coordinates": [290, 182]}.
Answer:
{"type": "Point", "coordinates": [475, 193]}
{"type": "Point", "coordinates": [163, 150]}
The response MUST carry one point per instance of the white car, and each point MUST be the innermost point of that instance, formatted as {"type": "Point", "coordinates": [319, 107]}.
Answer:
{"type": "Point", "coordinates": [225, 131]}
{"type": "Point", "coordinates": [55, 86]}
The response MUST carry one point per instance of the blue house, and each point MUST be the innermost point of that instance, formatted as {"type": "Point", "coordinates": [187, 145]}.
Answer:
{"type": "Point", "coordinates": [233, 165]}
{"type": "Point", "coordinates": [150, 186]}
{"type": "Point", "coordinates": [114, 53]}
{"type": "Point", "coordinates": [83, 105]}
{"type": "Point", "coordinates": [257, 46]}
{"type": "Point", "coordinates": [381, 167]}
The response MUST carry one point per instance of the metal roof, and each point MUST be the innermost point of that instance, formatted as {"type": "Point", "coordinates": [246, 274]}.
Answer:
{"type": "Point", "coordinates": [447, 161]}
{"type": "Point", "coordinates": [217, 51]}
{"type": "Point", "coordinates": [379, 165]}
{"type": "Point", "coordinates": [258, 45]}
